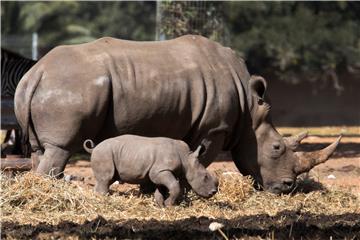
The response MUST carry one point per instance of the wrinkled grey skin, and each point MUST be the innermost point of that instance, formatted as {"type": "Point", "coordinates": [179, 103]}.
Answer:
{"type": "Point", "coordinates": [138, 160]}
{"type": "Point", "coordinates": [189, 88]}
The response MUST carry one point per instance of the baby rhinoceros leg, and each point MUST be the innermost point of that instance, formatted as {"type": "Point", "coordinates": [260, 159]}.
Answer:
{"type": "Point", "coordinates": [166, 179]}
{"type": "Point", "coordinates": [104, 170]}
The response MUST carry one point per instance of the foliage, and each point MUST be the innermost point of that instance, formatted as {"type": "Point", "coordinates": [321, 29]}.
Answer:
{"type": "Point", "coordinates": [186, 17]}
{"type": "Point", "coordinates": [297, 40]}
{"type": "Point", "coordinates": [72, 22]}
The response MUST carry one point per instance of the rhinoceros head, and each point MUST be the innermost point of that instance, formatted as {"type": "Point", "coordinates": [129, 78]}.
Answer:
{"type": "Point", "coordinates": [201, 180]}
{"type": "Point", "coordinates": [263, 153]}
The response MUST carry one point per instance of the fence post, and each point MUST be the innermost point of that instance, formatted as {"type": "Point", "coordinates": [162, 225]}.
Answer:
{"type": "Point", "coordinates": [34, 46]}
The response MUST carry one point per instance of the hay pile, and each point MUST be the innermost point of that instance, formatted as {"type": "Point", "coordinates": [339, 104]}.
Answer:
{"type": "Point", "coordinates": [30, 198]}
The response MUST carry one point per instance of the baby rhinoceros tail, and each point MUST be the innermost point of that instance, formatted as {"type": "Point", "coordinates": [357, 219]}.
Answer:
{"type": "Point", "coordinates": [92, 145]}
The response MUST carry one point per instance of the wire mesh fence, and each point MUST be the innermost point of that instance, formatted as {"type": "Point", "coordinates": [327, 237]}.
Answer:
{"type": "Point", "coordinates": [191, 17]}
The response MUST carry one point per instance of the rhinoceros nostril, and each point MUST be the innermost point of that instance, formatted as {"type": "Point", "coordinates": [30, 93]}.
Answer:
{"type": "Point", "coordinates": [213, 191]}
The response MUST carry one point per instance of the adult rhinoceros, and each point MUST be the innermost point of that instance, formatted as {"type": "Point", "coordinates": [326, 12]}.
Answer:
{"type": "Point", "coordinates": [188, 88]}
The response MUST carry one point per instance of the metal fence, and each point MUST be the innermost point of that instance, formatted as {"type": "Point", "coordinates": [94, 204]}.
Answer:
{"type": "Point", "coordinates": [25, 45]}
{"type": "Point", "coordinates": [174, 19]}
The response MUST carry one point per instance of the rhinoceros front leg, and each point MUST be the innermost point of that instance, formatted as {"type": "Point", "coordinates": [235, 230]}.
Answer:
{"type": "Point", "coordinates": [102, 187]}
{"type": "Point", "coordinates": [53, 161]}
{"type": "Point", "coordinates": [167, 179]}
{"type": "Point", "coordinates": [159, 198]}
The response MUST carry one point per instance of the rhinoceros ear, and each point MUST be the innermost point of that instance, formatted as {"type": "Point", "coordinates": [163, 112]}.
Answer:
{"type": "Point", "coordinates": [257, 86]}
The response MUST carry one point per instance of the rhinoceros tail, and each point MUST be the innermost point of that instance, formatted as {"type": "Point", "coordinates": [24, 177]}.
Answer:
{"type": "Point", "coordinates": [22, 103]}
{"type": "Point", "coordinates": [92, 145]}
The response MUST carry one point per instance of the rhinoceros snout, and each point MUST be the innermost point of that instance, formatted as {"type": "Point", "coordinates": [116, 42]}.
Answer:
{"type": "Point", "coordinates": [285, 186]}
{"type": "Point", "coordinates": [212, 192]}
{"type": "Point", "coordinates": [288, 182]}
{"type": "Point", "coordinates": [208, 193]}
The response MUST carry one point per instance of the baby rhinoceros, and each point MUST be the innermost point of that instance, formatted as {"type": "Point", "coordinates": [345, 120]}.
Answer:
{"type": "Point", "coordinates": [141, 160]}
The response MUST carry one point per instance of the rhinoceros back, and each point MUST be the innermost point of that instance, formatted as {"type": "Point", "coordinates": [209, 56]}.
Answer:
{"type": "Point", "coordinates": [178, 88]}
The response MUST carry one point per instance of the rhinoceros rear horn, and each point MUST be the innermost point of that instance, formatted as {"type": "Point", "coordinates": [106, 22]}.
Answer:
{"type": "Point", "coordinates": [307, 160]}
{"type": "Point", "coordinates": [294, 141]}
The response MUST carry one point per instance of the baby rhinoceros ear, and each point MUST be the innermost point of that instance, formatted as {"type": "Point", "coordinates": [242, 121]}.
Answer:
{"type": "Point", "coordinates": [199, 151]}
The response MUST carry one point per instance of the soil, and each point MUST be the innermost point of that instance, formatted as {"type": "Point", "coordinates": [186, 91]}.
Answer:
{"type": "Point", "coordinates": [341, 171]}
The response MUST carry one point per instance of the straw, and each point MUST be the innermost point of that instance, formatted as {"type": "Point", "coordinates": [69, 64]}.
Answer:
{"type": "Point", "coordinates": [30, 199]}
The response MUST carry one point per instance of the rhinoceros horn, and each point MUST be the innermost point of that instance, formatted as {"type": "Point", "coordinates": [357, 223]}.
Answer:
{"type": "Point", "coordinates": [307, 160]}
{"type": "Point", "coordinates": [294, 141]}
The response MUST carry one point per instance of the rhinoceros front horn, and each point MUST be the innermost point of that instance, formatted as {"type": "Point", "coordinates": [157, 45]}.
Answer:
{"type": "Point", "coordinates": [307, 160]}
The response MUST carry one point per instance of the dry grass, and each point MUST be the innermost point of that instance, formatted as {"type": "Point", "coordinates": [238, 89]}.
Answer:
{"type": "Point", "coordinates": [30, 198]}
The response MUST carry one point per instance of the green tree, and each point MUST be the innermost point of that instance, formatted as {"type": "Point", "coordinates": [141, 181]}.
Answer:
{"type": "Point", "coordinates": [74, 22]}
{"type": "Point", "coordinates": [297, 40]}
{"type": "Point", "coordinates": [192, 17]}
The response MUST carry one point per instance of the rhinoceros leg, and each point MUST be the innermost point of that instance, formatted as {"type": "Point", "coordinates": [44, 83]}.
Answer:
{"type": "Point", "coordinates": [53, 161]}
{"type": "Point", "coordinates": [102, 187]}
{"type": "Point", "coordinates": [103, 167]}
{"type": "Point", "coordinates": [159, 198]}
{"type": "Point", "coordinates": [167, 179]}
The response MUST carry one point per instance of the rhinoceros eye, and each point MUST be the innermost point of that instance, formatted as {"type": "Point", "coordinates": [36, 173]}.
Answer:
{"type": "Point", "coordinates": [260, 101]}
{"type": "Point", "coordinates": [205, 178]}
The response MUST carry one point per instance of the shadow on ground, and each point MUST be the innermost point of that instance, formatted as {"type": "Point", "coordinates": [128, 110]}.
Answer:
{"type": "Point", "coordinates": [307, 185]}
{"type": "Point", "coordinates": [344, 150]}
{"type": "Point", "coordinates": [285, 225]}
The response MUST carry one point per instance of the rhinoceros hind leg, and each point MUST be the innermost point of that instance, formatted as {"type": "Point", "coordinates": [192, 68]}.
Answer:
{"type": "Point", "coordinates": [104, 171]}
{"type": "Point", "coordinates": [53, 161]}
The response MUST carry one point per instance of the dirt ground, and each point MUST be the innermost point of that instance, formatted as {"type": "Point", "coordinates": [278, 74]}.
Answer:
{"type": "Point", "coordinates": [341, 171]}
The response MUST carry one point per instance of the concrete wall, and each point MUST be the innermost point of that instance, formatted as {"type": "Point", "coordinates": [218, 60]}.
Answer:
{"type": "Point", "coordinates": [308, 104]}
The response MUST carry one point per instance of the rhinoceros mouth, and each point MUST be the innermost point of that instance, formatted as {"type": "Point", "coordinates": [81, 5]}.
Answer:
{"type": "Point", "coordinates": [285, 185]}
{"type": "Point", "coordinates": [207, 194]}
{"type": "Point", "coordinates": [281, 189]}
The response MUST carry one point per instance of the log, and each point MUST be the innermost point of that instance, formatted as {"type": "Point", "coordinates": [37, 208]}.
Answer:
{"type": "Point", "coordinates": [16, 164]}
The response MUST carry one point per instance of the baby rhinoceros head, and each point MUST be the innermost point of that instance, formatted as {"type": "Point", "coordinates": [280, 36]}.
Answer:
{"type": "Point", "coordinates": [200, 180]}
